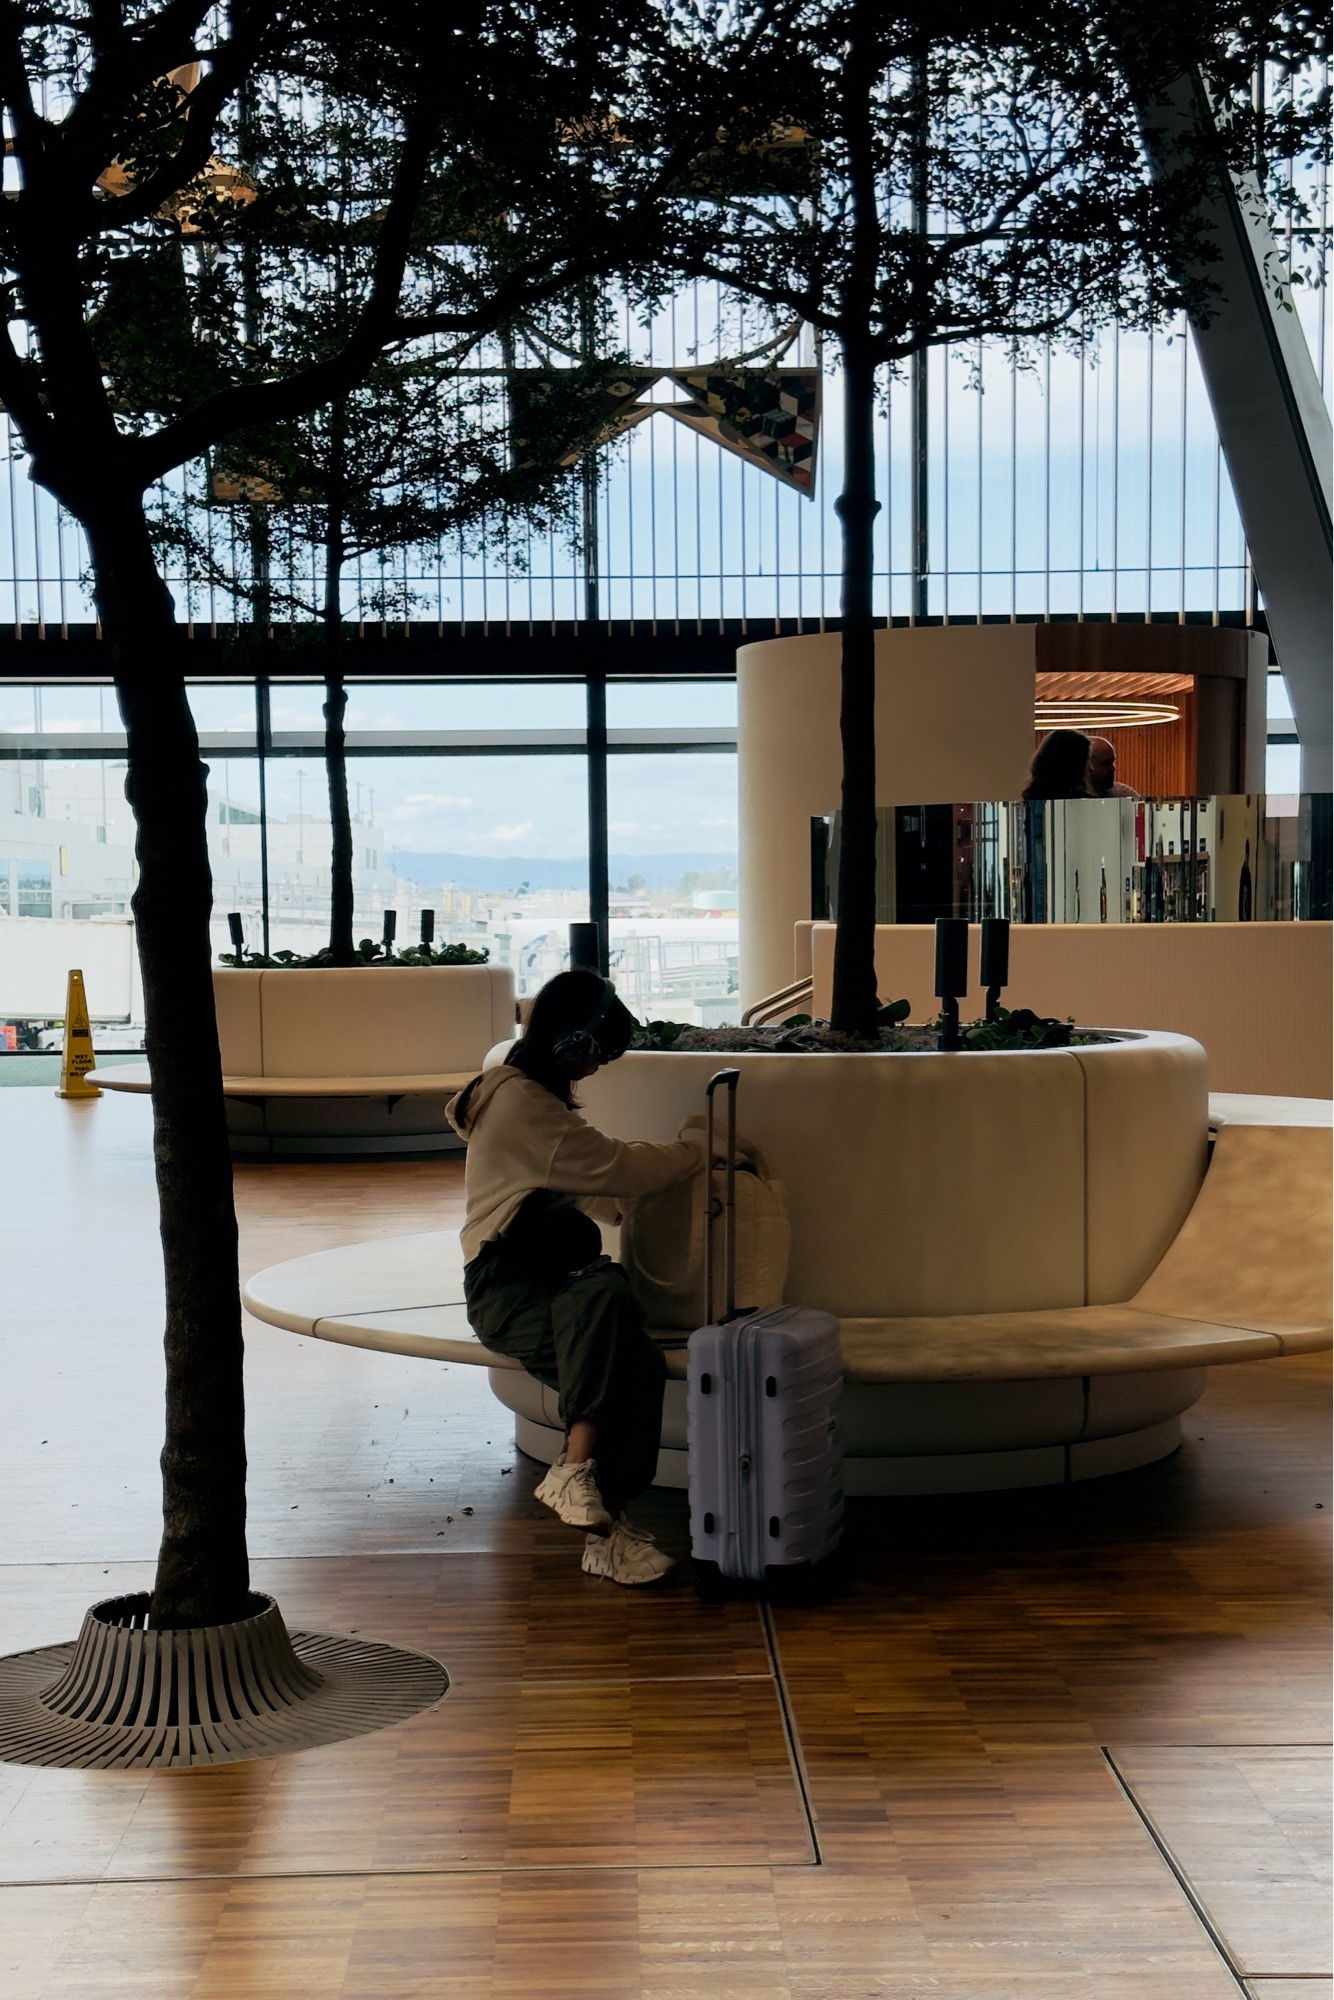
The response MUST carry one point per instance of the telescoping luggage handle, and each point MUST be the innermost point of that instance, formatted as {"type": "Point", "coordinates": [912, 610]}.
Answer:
{"type": "Point", "coordinates": [725, 1079]}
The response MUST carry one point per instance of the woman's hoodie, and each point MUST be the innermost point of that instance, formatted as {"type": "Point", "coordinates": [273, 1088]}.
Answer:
{"type": "Point", "coordinates": [520, 1138]}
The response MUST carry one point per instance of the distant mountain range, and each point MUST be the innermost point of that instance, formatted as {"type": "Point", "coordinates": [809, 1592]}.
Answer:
{"type": "Point", "coordinates": [508, 872]}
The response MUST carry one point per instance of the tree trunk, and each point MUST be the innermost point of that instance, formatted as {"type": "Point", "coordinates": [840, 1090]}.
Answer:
{"type": "Point", "coordinates": [342, 947]}
{"type": "Point", "coordinates": [854, 998]}
{"type": "Point", "coordinates": [203, 1568]}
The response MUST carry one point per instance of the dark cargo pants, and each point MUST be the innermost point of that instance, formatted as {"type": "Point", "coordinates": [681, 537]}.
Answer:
{"type": "Point", "coordinates": [583, 1336]}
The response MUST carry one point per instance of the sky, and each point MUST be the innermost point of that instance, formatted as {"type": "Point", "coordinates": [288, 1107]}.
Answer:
{"type": "Point", "coordinates": [525, 805]}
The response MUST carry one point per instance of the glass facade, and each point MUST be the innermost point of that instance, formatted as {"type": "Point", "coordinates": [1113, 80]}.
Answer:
{"type": "Point", "coordinates": [1060, 481]}
{"type": "Point", "coordinates": [1054, 484]}
{"type": "Point", "coordinates": [469, 800]}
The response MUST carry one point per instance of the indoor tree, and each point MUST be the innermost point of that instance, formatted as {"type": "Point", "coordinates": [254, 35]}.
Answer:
{"type": "Point", "coordinates": [979, 175]}
{"type": "Point", "coordinates": [419, 451]}
{"type": "Point", "coordinates": [123, 117]}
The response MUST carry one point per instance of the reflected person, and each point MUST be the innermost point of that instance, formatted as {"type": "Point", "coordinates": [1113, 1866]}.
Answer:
{"type": "Point", "coordinates": [1102, 771]}
{"type": "Point", "coordinates": [1060, 767]}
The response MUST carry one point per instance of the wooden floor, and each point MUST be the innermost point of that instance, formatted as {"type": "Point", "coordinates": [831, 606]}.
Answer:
{"type": "Point", "coordinates": [1070, 1743]}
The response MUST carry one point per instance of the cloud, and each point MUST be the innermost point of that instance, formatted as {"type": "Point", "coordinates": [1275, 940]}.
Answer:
{"type": "Point", "coordinates": [520, 831]}
{"type": "Point", "coordinates": [421, 805]}
{"type": "Point", "coordinates": [679, 831]}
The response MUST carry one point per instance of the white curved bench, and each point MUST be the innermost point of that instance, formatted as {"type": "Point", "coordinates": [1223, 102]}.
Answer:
{"type": "Point", "coordinates": [1091, 1389]}
{"type": "Point", "coordinates": [320, 1060]}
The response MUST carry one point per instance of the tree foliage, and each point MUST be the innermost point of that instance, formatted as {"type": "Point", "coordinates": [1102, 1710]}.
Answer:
{"type": "Point", "coordinates": [129, 187]}
{"type": "Point", "coordinates": [974, 174]}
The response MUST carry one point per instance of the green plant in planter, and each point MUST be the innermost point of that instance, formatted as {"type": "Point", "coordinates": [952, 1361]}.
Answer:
{"type": "Point", "coordinates": [368, 952]}
{"type": "Point", "coordinates": [1019, 1028]}
{"type": "Point", "coordinates": [799, 1034]}
{"type": "Point", "coordinates": [658, 1034]}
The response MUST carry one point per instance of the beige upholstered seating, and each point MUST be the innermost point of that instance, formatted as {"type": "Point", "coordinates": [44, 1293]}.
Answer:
{"type": "Point", "coordinates": [321, 1059]}
{"type": "Point", "coordinates": [1256, 996]}
{"type": "Point", "coordinates": [948, 1401]}
{"type": "Point", "coordinates": [1247, 1277]}
{"type": "Point", "coordinates": [929, 1184]}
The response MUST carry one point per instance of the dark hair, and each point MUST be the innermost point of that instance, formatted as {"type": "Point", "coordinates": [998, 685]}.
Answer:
{"type": "Point", "coordinates": [1060, 767]}
{"type": "Point", "coordinates": [572, 1006]}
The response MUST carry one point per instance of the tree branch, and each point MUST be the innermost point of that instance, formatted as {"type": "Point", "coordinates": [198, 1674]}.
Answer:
{"type": "Point", "coordinates": [125, 62]}
{"type": "Point", "coordinates": [90, 143]}
{"type": "Point", "coordinates": [31, 131]}
{"type": "Point", "coordinates": [250, 405]}
{"type": "Point", "coordinates": [20, 396]}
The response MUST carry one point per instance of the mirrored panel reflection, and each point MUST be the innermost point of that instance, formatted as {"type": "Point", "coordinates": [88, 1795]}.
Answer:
{"type": "Point", "coordinates": [1228, 859]}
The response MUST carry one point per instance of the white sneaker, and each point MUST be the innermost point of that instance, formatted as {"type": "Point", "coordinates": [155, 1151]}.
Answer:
{"type": "Point", "coordinates": [626, 1555]}
{"type": "Point", "coordinates": [571, 1492]}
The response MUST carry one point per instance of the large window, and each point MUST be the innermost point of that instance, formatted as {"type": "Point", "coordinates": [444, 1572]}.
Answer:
{"type": "Point", "coordinates": [470, 799]}
{"type": "Point", "coordinates": [495, 846]}
{"type": "Point", "coordinates": [672, 849]}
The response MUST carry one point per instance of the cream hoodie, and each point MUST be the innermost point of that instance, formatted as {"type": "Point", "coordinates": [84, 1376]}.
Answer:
{"type": "Point", "coordinates": [520, 1138]}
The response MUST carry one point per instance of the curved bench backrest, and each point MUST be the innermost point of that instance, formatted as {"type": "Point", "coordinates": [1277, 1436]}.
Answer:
{"type": "Point", "coordinates": [365, 1021]}
{"type": "Point", "coordinates": [926, 1184]}
{"type": "Point", "coordinates": [1255, 1249]}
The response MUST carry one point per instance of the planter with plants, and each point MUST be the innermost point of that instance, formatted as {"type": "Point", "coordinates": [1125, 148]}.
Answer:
{"type": "Point", "coordinates": [991, 1179]}
{"type": "Point", "coordinates": [367, 952]}
{"type": "Point", "coordinates": [1033, 1171]}
{"type": "Point", "coordinates": [1017, 1028]}
{"type": "Point", "coordinates": [317, 1058]}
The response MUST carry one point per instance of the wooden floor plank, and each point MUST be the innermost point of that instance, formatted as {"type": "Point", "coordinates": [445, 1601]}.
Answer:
{"type": "Point", "coordinates": [533, 1773]}
{"type": "Point", "coordinates": [492, 1620]}
{"type": "Point", "coordinates": [662, 1935]}
{"type": "Point", "coordinates": [1250, 1831]}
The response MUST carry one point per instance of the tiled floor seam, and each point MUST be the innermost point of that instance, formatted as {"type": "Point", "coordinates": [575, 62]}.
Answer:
{"type": "Point", "coordinates": [791, 1734]}
{"type": "Point", "coordinates": [482, 1868]}
{"type": "Point", "coordinates": [1182, 1881]}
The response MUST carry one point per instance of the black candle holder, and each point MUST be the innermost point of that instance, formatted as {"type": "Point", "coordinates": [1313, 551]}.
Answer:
{"type": "Point", "coordinates": [390, 928]}
{"type": "Point", "coordinates": [238, 934]}
{"type": "Point", "coordinates": [995, 960]}
{"type": "Point", "coordinates": [428, 927]}
{"type": "Point", "coordinates": [951, 975]}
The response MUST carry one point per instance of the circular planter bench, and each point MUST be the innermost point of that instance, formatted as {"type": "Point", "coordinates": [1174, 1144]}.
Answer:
{"type": "Point", "coordinates": [358, 1059]}
{"type": "Point", "coordinates": [966, 1402]}
{"type": "Point", "coordinates": [1015, 1391]}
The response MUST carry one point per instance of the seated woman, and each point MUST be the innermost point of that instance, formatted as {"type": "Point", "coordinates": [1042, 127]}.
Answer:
{"type": "Point", "coordinates": [536, 1283]}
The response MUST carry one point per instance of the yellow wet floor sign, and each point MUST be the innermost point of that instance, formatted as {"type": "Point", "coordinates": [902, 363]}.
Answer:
{"type": "Point", "coordinates": [78, 1057]}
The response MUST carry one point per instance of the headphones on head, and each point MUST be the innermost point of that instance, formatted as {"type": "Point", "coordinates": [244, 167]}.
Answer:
{"type": "Point", "coordinates": [578, 1046]}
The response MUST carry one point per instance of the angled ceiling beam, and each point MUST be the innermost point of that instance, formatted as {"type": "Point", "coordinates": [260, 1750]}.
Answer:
{"type": "Point", "coordinates": [1272, 421]}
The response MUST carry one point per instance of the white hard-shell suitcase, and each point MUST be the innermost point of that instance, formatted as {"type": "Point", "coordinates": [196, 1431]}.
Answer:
{"type": "Point", "coordinates": [762, 1398]}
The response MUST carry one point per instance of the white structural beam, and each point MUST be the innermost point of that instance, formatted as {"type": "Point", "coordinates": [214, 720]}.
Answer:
{"type": "Point", "coordinates": [1272, 420]}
